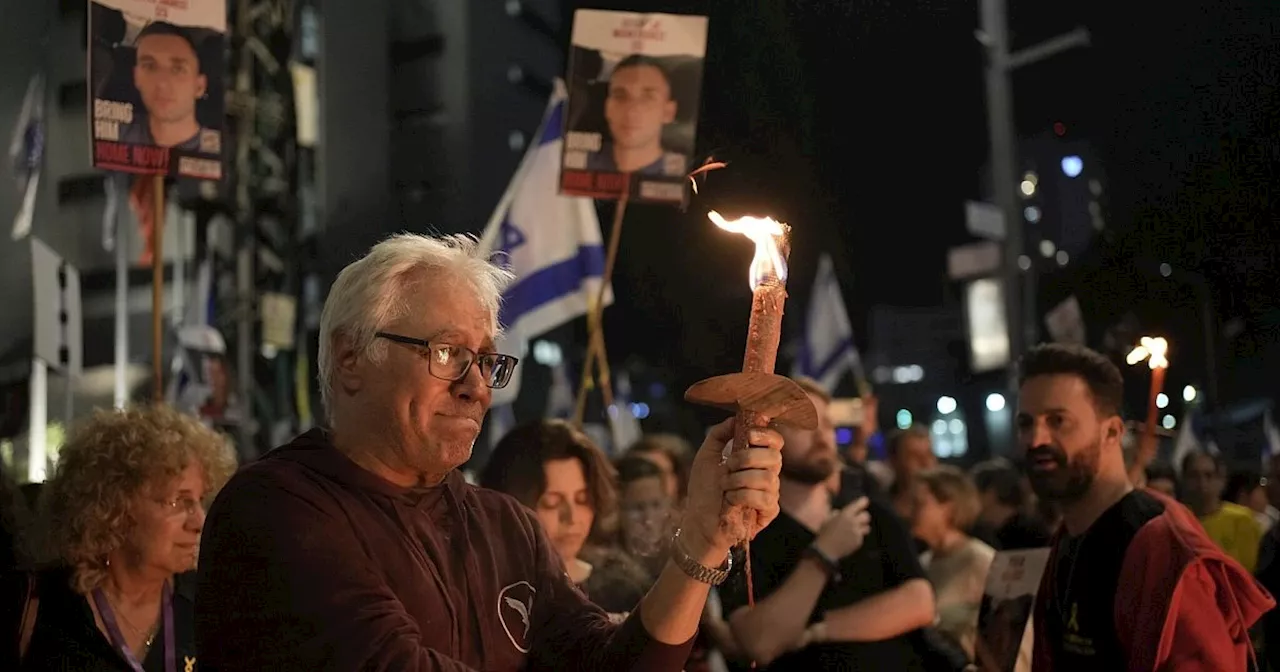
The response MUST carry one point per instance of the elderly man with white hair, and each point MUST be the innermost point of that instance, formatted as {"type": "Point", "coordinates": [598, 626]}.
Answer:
{"type": "Point", "coordinates": [362, 547]}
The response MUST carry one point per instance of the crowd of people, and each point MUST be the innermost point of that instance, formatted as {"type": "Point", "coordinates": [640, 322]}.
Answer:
{"type": "Point", "coordinates": [363, 545]}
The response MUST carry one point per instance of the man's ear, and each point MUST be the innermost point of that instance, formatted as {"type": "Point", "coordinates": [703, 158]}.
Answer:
{"type": "Point", "coordinates": [346, 363]}
{"type": "Point", "coordinates": [1114, 429]}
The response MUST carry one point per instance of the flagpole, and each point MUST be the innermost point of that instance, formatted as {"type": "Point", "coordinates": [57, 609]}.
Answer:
{"type": "Point", "coordinates": [121, 392]}
{"type": "Point", "coordinates": [157, 293]}
{"type": "Point", "coordinates": [595, 345]}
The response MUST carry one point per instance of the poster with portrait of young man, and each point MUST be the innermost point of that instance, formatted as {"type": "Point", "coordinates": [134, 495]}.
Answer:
{"type": "Point", "coordinates": [631, 120]}
{"type": "Point", "coordinates": [156, 86]}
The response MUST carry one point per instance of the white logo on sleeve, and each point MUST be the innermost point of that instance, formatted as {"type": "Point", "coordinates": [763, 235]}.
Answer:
{"type": "Point", "coordinates": [515, 609]}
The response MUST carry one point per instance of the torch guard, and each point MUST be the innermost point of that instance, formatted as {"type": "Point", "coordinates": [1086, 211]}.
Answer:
{"type": "Point", "coordinates": [758, 399]}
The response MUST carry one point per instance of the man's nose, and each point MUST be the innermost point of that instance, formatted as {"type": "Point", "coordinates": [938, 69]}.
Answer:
{"type": "Point", "coordinates": [1036, 433]}
{"type": "Point", "coordinates": [472, 386]}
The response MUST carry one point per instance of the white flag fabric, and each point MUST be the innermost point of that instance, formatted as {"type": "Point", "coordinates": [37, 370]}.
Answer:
{"type": "Point", "coordinates": [560, 397]}
{"type": "Point", "coordinates": [1186, 443]}
{"type": "Point", "coordinates": [197, 339]}
{"type": "Point", "coordinates": [26, 154]}
{"type": "Point", "coordinates": [1272, 434]}
{"type": "Point", "coordinates": [624, 426]}
{"type": "Point", "coordinates": [552, 244]}
{"type": "Point", "coordinates": [827, 351]}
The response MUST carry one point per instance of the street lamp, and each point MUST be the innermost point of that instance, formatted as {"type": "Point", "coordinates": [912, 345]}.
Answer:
{"type": "Point", "coordinates": [1155, 351]}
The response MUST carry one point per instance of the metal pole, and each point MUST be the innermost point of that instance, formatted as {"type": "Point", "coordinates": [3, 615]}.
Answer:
{"type": "Point", "coordinates": [121, 396]}
{"type": "Point", "coordinates": [1000, 126]}
{"type": "Point", "coordinates": [181, 232]}
{"type": "Point", "coordinates": [1077, 38]}
{"type": "Point", "coordinates": [245, 224]}
{"type": "Point", "coordinates": [38, 421]}
{"type": "Point", "coordinates": [246, 307]}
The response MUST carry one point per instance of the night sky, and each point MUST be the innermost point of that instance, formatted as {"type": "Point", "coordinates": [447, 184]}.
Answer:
{"type": "Point", "coordinates": [862, 124]}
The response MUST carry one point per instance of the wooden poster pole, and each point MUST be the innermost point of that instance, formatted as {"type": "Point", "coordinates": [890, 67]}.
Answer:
{"type": "Point", "coordinates": [596, 353]}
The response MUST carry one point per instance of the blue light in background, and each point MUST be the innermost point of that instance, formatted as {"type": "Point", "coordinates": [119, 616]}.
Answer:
{"type": "Point", "coordinates": [640, 410]}
{"type": "Point", "coordinates": [875, 446]}
{"type": "Point", "coordinates": [657, 390]}
{"type": "Point", "coordinates": [844, 435]}
{"type": "Point", "coordinates": [1072, 166]}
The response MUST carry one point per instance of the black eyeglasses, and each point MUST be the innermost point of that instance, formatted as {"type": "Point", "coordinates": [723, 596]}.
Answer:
{"type": "Point", "coordinates": [452, 362]}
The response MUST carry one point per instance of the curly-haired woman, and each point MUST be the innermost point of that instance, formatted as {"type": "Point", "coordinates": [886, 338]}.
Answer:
{"type": "Point", "coordinates": [125, 509]}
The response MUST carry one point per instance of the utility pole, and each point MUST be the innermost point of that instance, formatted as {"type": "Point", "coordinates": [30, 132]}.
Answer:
{"type": "Point", "coordinates": [1019, 286]}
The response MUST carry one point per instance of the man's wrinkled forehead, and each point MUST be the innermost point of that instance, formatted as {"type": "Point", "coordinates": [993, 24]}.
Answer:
{"type": "Point", "coordinates": [463, 337]}
{"type": "Point", "coordinates": [448, 308]}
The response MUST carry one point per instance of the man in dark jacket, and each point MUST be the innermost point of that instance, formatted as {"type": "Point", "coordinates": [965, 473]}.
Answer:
{"type": "Point", "coordinates": [1133, 582]}
{"type": "Point", "coordinates": [362, 547]}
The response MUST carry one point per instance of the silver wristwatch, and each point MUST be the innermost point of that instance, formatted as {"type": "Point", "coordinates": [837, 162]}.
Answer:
{"type": "Point", "coordinates": [696, 570]}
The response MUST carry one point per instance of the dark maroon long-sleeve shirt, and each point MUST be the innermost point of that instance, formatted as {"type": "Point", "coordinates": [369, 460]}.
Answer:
{"type": "Point", "coordinates": [309, 562]}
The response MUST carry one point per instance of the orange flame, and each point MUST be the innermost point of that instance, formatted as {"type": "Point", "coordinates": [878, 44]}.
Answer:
{"type": "Point", "coordinates": [769, 265]}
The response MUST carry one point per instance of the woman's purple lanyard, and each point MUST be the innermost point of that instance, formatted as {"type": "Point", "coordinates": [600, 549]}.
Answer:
{"type": "Point", "coordinates": [117, 639]}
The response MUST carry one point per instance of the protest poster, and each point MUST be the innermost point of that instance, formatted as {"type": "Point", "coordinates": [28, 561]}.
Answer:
{"type": "Point", "coordinates": [156, 86]}
{"type": "Point", "coordinates": [1007, 604]}
{"type": "Point", "coordinates": [635, 81]}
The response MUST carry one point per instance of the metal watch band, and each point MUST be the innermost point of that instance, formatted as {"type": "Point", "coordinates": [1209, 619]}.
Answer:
{"type": "Point", "coordinates": [696, 570]}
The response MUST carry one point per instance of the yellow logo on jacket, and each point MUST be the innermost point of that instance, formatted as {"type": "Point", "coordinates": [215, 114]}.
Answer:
{"type": "Point", "coordinates": [188, 663]}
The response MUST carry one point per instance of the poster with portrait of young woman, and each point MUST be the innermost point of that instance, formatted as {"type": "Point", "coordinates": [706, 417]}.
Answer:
{"type": "Point", "coordinates": [631, 121]}
{"type": "Point", "coordinates": [156, 86]}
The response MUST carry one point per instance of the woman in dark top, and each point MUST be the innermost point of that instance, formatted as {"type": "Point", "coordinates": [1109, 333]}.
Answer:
{"type": "Point", "coordinates": [125, 511]}
{"type": "Point", "coordinates": [557, 471]}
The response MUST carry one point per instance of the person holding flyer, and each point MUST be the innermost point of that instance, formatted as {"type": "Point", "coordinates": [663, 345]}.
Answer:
{"type": "Point", "coordinates": [1133, 582]}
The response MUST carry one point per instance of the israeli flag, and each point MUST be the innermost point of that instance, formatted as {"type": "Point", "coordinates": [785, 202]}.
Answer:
{"type": "Point", "coordinates": [623, 424]}
{"type": "Point", "coordinates": [26, 154]}
{"type": "Point", "coordinates": [561, 396]}
{"type": "Point", "coordinates": [552, 244]}
{"type": "Point", "coordinates": [1186, 443]}
{"type": "Point", "coordinates": [827, 351]}
{"type": "Point", "coordinates": [198, 340]}
{"type": "Point", "coordinates": [1189, 441]}
{"type": "Point", "coordinates": [1272, 435]}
